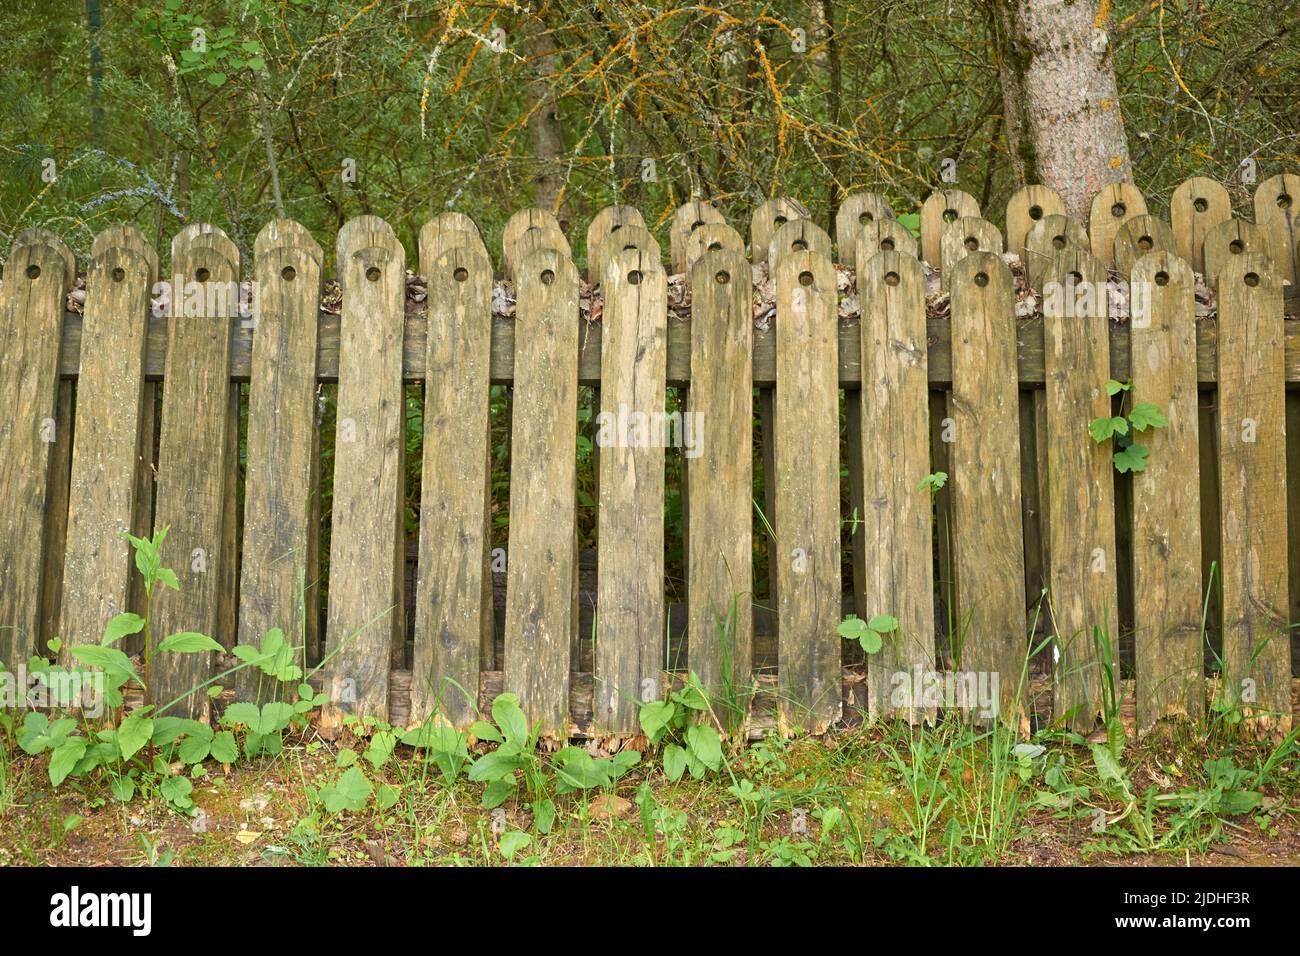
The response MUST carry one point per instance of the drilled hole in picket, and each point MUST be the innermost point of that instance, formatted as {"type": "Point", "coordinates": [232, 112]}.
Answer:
{"type": "Point", "coordinates": [805, 278]}
{"type": "Point", "coordinates": [864, 218]}
{"type": "Point", "coordinates": [372, 274]}
{"type": "Point", "coordinates": [981, 279]}
{"type": "Point", "coordinates": [1035, 212]}
{"type": "Point", "coordinates": [1284, 201]}
{"type": "Point", "coordinates": [972, 243]}
{"type": "Point", "coordinates": [119, 274]}
{"type": "Point", "coordinates": [887, 245]}
{"type": "Point", "coordinates": [634, 277]}
{"type": "Point", "coordinates": [1252, 279]}
{"type": "Point", "coordinates": [288, 273]}
{"type": "Point", "coordinates": [1146, 243]}
{"type": "Point", "coordinates": [714, 246]}
{"type": "Point", "coordinates": [891, 278]}
{"type": "Point", "coordinates": [615, 228]}
{"type": "Point", "coordinates": [1200, 205]}
{"type": "Point", "coordinates": [1162, 278]}
{"type": "Point", "coordinates": [798, 246]}
{"type": "Point", "coordinates": [780, 220]}
{"type": "Point", "coordinates": [1058, 242]}
{"type": "Point", "coordinates": [547, 277]}
{"type": "Point", "coordinates": [629, 247]}
{"type": "Point", "coordinates": [1118, 210]}
{"type": "Point", "coordinates": [722, 277]}
{"type": "Point", "coordinates": [950, 215]}
{"type": "Point", "coordinates": [461, 274]}
{"type": "Point", "coordinates": [33, 272]}
{"type": "Point", "coordinates": [696, 224]}
{"type": "Point", "coordinates": [202, 275]}
{"type": "Point", "coordinates": [1236, 247]}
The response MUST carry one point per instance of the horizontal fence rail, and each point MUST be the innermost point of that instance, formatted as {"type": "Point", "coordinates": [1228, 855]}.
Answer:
{"type": "Point", "coordinates": [919, 429]}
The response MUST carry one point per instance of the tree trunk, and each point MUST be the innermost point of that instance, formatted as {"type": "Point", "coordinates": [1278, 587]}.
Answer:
{"type": "Point", "coordinates": [545, 133]}
{"type": "Point", "coordinates": [1060, 98]}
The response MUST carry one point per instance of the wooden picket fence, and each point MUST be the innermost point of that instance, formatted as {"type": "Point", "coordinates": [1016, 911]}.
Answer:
{"type": "Point", "coordinates": [999, 401]}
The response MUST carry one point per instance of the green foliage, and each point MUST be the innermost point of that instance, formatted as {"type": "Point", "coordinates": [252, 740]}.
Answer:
{"type": "Point", "coordinates": [688, 744]}
{"type": "Point", "coordinates": [870, 635]}
{"type": "Point", "coordinates": [1128, 456]}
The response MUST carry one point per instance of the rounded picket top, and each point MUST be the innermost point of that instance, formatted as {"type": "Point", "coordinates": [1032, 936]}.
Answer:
{"type": "Point", "coordinates": [125, 236]}
{"type": "Point", "coordinates": [523, 221]}
{"type": "Point", "coordinates": [1197, 206]}
{"type": "Point", "coordinates": [1113, 206]}
{"type": "Point", "coordinates": [625, 239]}
{"type": "Point", "coordinates": [538, 237]}
{"type": "Point", "coordinates": [710, 237]}
{"type": "Point", "coordinates": [123, 263]}
{"type": "Point", "coordinates": [1228, 241]}
{"type": "Point", "coordinates": [200, 250]}
{"type": "Point", "coordinates": [1026, 207]}
{"type": "Point", "coordinates": [1137, 237]}
{"type": "Point", "coordinates": [546, 271]}
{"type": "Point", "coordinates": [941, 207]}
{"type": "Point", "coordinates": [36, 236]}
{"type": "Point", "coordinates": [1049, 236]}
{"type": "Point", "coordinates": [687, 218]}
{"type": "Point", "coordinates": [1167, 271]}
{"type": "Point", "coordinates": [287, 234]}
{"type": "Point", "coordinates": [1277, 205]}
{"type": "Point", "coordinates": [446, 231]}
{"type": "Point", "coordinates": [979, 270]}
{"type": "Point", "coordinates": [808, 269]}
{"type": "Point", "coordinates": [1074, 285]}
{"type": "Point", "coordinates": [963, 236]}
{"type": "Point", "coordinates": [603, 225]}
{"type": "Point", "coordinates": [882, 235]}
{"type": "Point", "coordinates": [797, 235]}
{"type": "Point", "coordinates": [633, 266]}
{"type": "Point", "coordinates": [767, 219]}
{"type": "Point", "coordinates": [1250, 273]}
{"type": "Point", "coordinates": [366, 249]}
{"type": "Point", "coordinates": [858, 210]}
{"type": "Point", "coordinates": [721, 266]}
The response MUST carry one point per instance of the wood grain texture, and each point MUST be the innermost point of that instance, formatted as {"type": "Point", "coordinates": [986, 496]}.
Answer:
{"type": "Point", "coordinates": [963, 236]}
{"type": "Point", "coordinates": [1252, 488]}
{"type": "Point", "coordinates": [887, 235]}
{"type": "Point", "coordinates": [1277, 205]}
{"type": "Point", "coordinates": [192, 460]}
{"type": "Point", "coordinates": [1081, 493]}
{"type": "Point", "coordinates": [794, 236]}
{"type": "Point", "coordinates": [688, 217]}
{"type": "Point", "coordinates": [1197, 206]}
{"type": "Point", "coordinates": [1166, 538]}
{"type": "Point", "coordinates": [1114, 205]}
{"type": "Point", "coordinates": [365, 614]}
{"type": "Point", "coordinates": [1027, 206]}
{"type": "Point", "coordinates": [603, 227]}
{"type": "Point", "coordinates": [807, 486]}
{"type": "Point", "coordinates": [520, 224]}
{"type": "Point", "coordinates": [1227, 241]}
{"type": "Point", "coordinates": [38, 273]}
{"type": "Point", "coordinates": [1139, 236]}
{"type": "Point", "coordinates": [941, 207]}
{"type": "Point", "coordinates": [543, 489]}
{"type": "Point", "coordinates": [110, 393]}
{"type": "Point", "coordinates": [767, 219]}
{"type": "Point", "coordinates": [857, 210]}
{"type": "Point", "coordinates": [988, 536]}
{"type": "Point", "coordinates": [280, 537]}
{"type": "Point", "coordinates": [446, 231]}
{"type": "Point", "coordinates": [626, 239]}
{"type": "Point", "coordinates": [709, 238]}
{"type": "Point", "coordinates": [453, 603]}
{"type": "Point", "coordinates": [1047, 237]}
{"type": "Point", "coordinates": [895, 512]}
{"type": "Point", "coordinates": [630, 630]}
{"type": "Point", "coordinates": [719, 555]}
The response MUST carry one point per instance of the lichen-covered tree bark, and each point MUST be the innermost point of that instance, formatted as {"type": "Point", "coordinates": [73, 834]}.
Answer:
{"type": "Point", "coordinates": [1061, 102]}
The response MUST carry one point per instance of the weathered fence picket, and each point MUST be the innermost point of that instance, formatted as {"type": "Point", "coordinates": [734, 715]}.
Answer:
{"type": "Point", "coordinates": [993, 383]}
